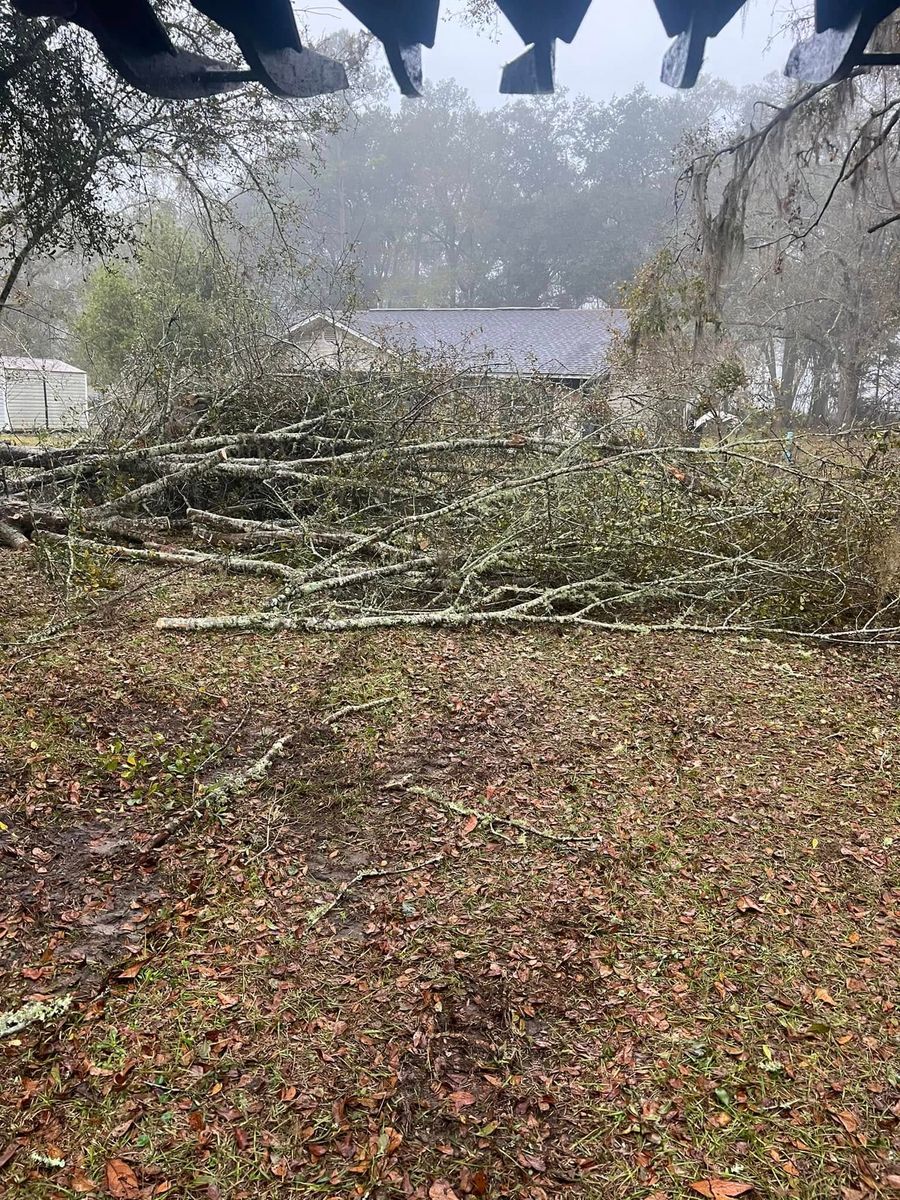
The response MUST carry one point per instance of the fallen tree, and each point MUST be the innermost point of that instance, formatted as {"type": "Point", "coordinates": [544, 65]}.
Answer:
{"type": "Point", "coordinates": [368, 512]}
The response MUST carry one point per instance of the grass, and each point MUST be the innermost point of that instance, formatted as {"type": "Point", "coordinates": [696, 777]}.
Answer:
{"type": "Point", "coordinates": [707, 992]}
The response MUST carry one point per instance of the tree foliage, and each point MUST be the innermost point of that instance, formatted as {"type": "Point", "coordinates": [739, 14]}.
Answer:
{"type": "Point", "coordinates": [177, 319]}
{"type": "Point", "coordinates": [551, 201]}
{"type": "Point", "coordinates": [794, 225]}
{"type": "Point", "coordinates": [179, 298]}
{"type": "Point", "coordinates": [77, 144]}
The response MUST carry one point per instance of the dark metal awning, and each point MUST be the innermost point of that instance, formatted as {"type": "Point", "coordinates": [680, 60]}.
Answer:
{"type": "Point", "coordinates": [137, 44]}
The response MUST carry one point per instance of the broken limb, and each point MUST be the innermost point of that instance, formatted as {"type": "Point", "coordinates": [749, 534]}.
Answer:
{"type": "Point", "coordinates": [219, 794]}
{"type": "Point", "coordinates": [347, 709]}
{"type": "Point", "coordinates": [188, 558]}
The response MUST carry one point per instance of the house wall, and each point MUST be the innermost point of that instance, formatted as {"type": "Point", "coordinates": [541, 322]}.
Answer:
{"type": "Point", "coordinates": [323, 347]}
{"type": "Point", "coordinates": [23, 399]}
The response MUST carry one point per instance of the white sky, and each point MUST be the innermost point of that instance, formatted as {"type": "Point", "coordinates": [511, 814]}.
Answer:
{"type": "Point", "coordinates": [618, 46]}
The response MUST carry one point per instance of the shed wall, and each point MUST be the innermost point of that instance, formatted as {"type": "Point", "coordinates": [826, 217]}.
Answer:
{"type": "Point", "coordinates": [66, 399]}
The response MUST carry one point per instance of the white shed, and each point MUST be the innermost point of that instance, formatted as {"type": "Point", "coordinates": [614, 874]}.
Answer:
{"type": "Point", "coordinates": [41, 393]}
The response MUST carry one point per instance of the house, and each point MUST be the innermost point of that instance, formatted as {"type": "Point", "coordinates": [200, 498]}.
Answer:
{"type": "Point", "coordinates": [41, 393]}
{"type": "Point", "coordinates": [567, 345]}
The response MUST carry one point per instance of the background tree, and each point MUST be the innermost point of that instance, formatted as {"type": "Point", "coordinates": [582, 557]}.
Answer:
{"type": "Point", "coordinates": [553, 201]}
{"type": "Point", "coordinates": [78, 145]}
{"type": "Point", "coordinates": [176, 298]}
{"type": "Point", "coordinates": [176, 320]}
{"type": "Point", "coordinates": [797, 253]}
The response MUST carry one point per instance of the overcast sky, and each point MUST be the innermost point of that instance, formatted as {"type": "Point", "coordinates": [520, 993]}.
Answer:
{"type": "Point", "coordinates": [617, 47]}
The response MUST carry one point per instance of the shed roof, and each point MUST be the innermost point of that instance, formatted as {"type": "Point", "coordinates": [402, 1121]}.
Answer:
{"type": "Point", "coordinates": [568, 342]}
{"type": "Point", "coordinates": [24, 362]}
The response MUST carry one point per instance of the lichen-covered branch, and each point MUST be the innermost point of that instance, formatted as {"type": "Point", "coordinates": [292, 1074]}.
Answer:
{"type": "Point", "coordinates": [372, 517]}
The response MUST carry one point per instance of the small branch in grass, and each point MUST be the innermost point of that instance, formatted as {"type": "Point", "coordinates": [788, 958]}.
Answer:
{"type": "Point", "coordinates": [226, 789]}
{"type": "Point", "coordinates": [347, 709]}
{"type": "Point", "coordinates": [314, 917]}
{"type": "Point", "coordinates": [491, 819]}
{"type": "Point", "coordinates": [34, 1012]}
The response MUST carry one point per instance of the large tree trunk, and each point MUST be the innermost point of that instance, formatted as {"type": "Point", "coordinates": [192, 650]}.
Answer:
{"type": "Point", "coordinates": [849, 380]}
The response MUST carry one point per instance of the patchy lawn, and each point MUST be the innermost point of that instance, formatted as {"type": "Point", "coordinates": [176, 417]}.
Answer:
{"type": "Point", "coordinates": [588, 916]}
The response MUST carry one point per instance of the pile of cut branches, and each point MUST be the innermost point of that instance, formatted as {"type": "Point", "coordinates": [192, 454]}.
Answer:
{"type": "Point", "coordinates": [367, 510]}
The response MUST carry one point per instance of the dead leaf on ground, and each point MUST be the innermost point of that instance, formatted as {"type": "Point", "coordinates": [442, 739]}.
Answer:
{"type": "Point", "coordinates": [79, 1182]}
{"type": "Point", "coordinates": [478, 1183]}
{"type": "Point", "coordinates": [121, 1180]}
{"type": "Point", "coordinates": [534, 1162]}
{"type": "Point", "coordinates": [461, 1099]}
{"type": "Point", "coordinates": [849, 1120]}
{"type": "Point", "coordinates": [720, 1189]}
{"type": "Point", "coordinates": [747, 904]}
{"type": "Point", "coordinates": [134, 970]}
{"type": "Point", "coordinates": [469, 823]}
{"type": "Point", "coordinates": [441, 1190]}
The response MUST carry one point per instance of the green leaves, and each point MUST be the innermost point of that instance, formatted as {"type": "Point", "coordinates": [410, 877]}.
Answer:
{"type": "Point", "coordinates": [171, 311]}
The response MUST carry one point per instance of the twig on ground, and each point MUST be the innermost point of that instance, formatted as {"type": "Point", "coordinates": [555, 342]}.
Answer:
{"type": "Point", "coordinates": [495, 819]}
{"type": "Point", "coordinates": [32, 1013]}
{"type": "Point", "coordinates": [316, 915]}
{"type": "Point", "coordinates": [227, 787]}
{"type": "Point", "coordinates": [347, 709]}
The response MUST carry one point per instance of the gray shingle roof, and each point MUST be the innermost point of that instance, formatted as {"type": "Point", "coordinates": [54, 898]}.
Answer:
{"type": "Point", "coordinates": [572, 342]}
